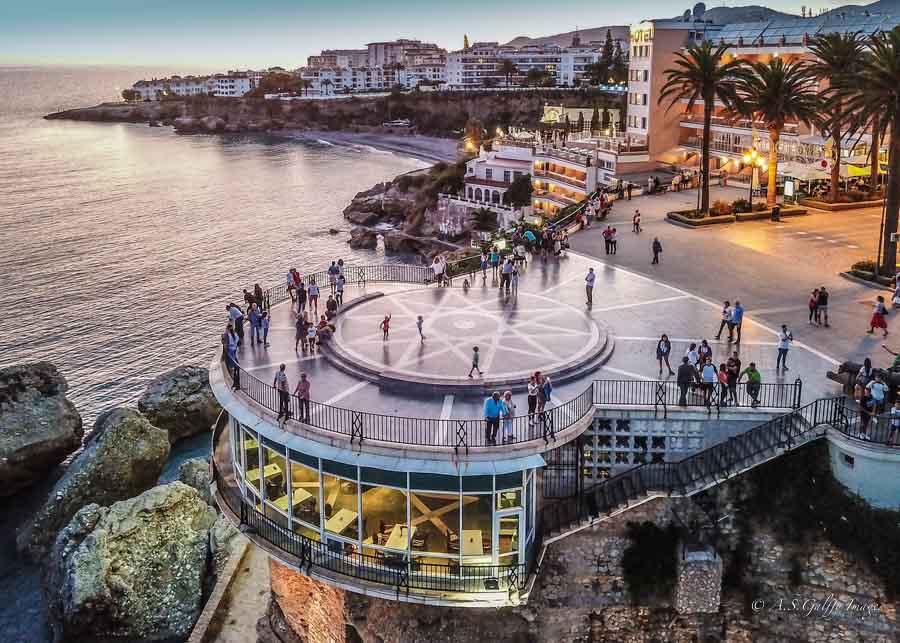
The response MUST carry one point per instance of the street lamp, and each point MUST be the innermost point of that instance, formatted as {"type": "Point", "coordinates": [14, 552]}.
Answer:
{"type": "Point", "coordinates": [753, 158]}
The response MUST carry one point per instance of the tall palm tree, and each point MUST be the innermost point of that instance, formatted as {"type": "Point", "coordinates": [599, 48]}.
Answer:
{"type": "Point", "coordinates": [878, 96]}
{"type": "Point", "coordinates": [700, 74]}
{"type": "Point", "coordinates": [776, 93]}
{"type": "Point", "coordinates": [836, 56]}
{"type": "Point", "coordinates": [508, 68]}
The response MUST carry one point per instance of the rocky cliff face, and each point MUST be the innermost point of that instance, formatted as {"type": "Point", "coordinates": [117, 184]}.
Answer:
{"type": "Point", "coordinates": [133, 571]}
{"type": "Point", "coordinates": [180, 402]}
{"type": "Point", "coordinates": [39, 427]}
{"type": "Point", "coordinates": [123, 458]}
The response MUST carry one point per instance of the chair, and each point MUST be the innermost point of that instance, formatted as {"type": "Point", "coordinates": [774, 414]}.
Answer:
{"type": "Point", "coordinates": [420, 543]}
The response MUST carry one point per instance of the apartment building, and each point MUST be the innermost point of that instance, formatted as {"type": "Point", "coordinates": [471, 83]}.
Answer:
{"type": "Point", "coordinates": [674, 135]}
{"type": "Point", "coordinates": [233, 84]}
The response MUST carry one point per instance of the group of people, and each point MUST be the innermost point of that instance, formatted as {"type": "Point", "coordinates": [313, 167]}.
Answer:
{"type": "Point", "coordinates": [504, 268]}
{"type": "Point", "coordinates": [732, 319]}
{"type": "Point", "coordinates": [697, 371]}
{"type": "Point", "coordinates": [870, 391]}
{"type": "Point", "coordinates": [301, 391]}
{"type": "Point", "coordinates": [500, 408]}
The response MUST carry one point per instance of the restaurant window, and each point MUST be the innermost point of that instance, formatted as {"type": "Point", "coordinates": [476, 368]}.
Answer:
{"type": "Point", "coordinates": [305, 494]}
{"type": "Point", "coordinates": [384, 517]}
{"type": "Point", "coordinates": [340, 509]}
{"type": "Point", "coordinates": [274, 482]}
{"type": "Point", "coordinates": [477, 529]}
{"type": "Point", "coordinates": [251, 461]}
{"type": "Point", "coordinates": [435, 520]}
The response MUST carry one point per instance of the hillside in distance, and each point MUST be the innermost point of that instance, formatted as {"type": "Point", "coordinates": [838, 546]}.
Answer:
{"type": "Point", "coordinates": [595, 34]}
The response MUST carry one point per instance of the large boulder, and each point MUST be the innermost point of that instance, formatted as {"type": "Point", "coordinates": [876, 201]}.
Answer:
{"type": "Point", "coordinates": [195, 473]}
{"type": "Point", "coordinates": [123, 457]}
{"type": "Point", "coordinates": [363, 238]}
{"type": "Point", "coordinates": [39, 427]}
{"type": "Point", "coordinates": [181, 402]}
{"type": "Point", "coordinates": [133, 571]}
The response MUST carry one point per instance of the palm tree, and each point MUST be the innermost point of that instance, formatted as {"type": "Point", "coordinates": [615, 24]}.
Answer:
{"type": "Point", "coordinates": [508, 68]}
{"type": "Point", "coordinates": [776, 93]}
{"type": "Point", "coordinates": [877, 96]}
{"type": "Point", "coordinates": [837, 55]}
{"type": "Point", "coordinates": [699, 74]}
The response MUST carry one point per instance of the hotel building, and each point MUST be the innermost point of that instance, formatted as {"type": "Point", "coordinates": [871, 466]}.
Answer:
{"type": "Point", "coordinates": [232, 84]}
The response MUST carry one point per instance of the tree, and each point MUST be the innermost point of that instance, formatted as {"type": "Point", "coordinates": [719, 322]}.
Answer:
{"type": "Point", "coordinates": [518, 194]}
{"type": "Point", "coordinates": [875, 94]}
{"type": "Point", "coordinates": [607, 52]}
{"type": "Point", "coordinates": [535, 77]}
{"type": "Point", "coordinates": [595, 120]}
{"type": "Point", "coordinates": [598, 72]}
{"type": "Point", "coordinates": [776, 93]}
{"type": "Point", "coordinates": [130, 95]}
{"type": "Point", "coordinates": [837, 55]}
{"type": "Point", "coordinates": [619, 68]}
{"type": "Point", "coordinates": [489, 81]}
{"type": "Point", "coordinates": [699, 74]}
{"type": "Point", "coordinates": [508, 68]}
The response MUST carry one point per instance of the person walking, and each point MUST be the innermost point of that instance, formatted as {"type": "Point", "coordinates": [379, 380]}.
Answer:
{"type": "Point", "coordinates": [628, 188]}
{"type": "Point", "coordinates": [704, 351]}
{"type": "Point", "coordinates": [693, 356]}
{"type": "Point", "coordinates": [754, 382]}
{"type": "Point", "coordinates": [737, 320]}
{"type": "Point", "coordinates": [878, 314]}
{"type": "Point", "coordinates": [290, 283]}
{"type": "Point", "coordinates": [607, 242]}
{"type": "Point", "coordinates": [333, 272]}
{"type": "Point", "coordinates": [687, 375]}
{"type": "Point", "coordinates": [722, 376]}
{"type": "Point", "coordinates": [331, 307]}
{"type": "Point", "coordinates": [515, 280]}
{"type": "Point", "coordinates": [339, 289]}
{"type": "Point", "coordinates": [312, 293]}
{"type": "Point", "coordinates": [483, 264]}
{"type": "Point", "coordinates": [656, 247]}
{"type": "Point", "coordinates": [259, 296]}
{"type": "Point", "coordinates": [495, 261]}
{"type": "Point", "coordinates": [509, 412]}
{"type": "Point", "coordinates": [419, 322]}
{"type": "Point", "coordinates": [300, 332]}
{"type": "Point", "coordinates": [302, 393]}
{"type": "Point", "coordinates": [785, 337]}
{"type": "Point", "coordinates": [506, 275]}
{"type": "Point", "coordinates": [532, 396]}
{"type": "Point", "coordinates": [476, 357]}
{"type": "Point", "coordinates": [613, 241]}
{"type": "Point", "coordinates": [894, 436]}
{"type": "Point", "coordinates": [264, 325]}
{"type": "Point", "coordinates": [663, 348]}
{"type": "Point", "coordinates": [385, 326]}
{"type": "Point", "coordinates": [636, 222]}
{"type": "Point", "coordinates": [255, 324]}
{"type": "Point", "coordinates": [281, 385]}
{"type": "Point", "coordinates": [813, 305]}
{"type": "Point", "coordinates": [493, 410]}
{"type": "Point", "coordinates": [589, 280]}
{"type": "Point", "coordinates": [875, 394]}
{"type": "Point", "coordinates": [709, 376]}
{"type": "Point", "coordinates": [822, 307]}
{"type": "Point", "coordinates": [300, 291]}
{"type": "Point", "coordinates": [727, 317]}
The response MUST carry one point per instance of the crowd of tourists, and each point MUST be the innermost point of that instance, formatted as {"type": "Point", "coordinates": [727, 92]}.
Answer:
{"type": "Point", "coordinates": [500, 409]}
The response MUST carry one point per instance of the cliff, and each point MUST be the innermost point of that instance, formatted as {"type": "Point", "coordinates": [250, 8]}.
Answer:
{"type": "Point", "coordinates": [435, 114]}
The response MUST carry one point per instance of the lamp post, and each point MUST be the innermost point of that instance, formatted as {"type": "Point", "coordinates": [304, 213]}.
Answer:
{"type": "Point", "coordinates": [753, 158]}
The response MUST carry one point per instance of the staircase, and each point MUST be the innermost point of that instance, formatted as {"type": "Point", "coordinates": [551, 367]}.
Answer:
{"type": "Point", "coordinates": [696, 473]}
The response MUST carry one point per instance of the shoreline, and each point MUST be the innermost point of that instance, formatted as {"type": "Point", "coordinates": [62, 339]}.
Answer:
{"type": "Point", "coordinates": [429, 149]}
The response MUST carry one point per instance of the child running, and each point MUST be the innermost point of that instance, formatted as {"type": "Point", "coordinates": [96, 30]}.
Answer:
{"type": "Point", "coordinates": [385, 327]}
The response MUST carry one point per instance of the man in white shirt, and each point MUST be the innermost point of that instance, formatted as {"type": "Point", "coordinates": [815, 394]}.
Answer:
{"type": "Point", "coordinates": [726, 321]}
{"type": "Point", "coordinates": [785, 337]}
{"type": "Point", "coordinates": [589, 286]}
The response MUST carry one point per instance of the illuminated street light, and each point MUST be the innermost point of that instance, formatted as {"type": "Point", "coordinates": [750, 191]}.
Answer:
{"type": "Point", "coordinates": [753, 158]}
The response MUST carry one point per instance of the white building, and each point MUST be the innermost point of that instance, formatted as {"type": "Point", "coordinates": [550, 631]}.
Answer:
{"type": "Point", "coordinates": [233, 84]}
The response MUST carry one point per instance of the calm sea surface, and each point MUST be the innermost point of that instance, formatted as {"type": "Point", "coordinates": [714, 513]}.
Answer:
{"type": "Point", "coordinates": [121, 243]}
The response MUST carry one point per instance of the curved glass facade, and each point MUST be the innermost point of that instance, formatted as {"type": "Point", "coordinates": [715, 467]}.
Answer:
{"type": "Point", "coordinates": [400, 517]}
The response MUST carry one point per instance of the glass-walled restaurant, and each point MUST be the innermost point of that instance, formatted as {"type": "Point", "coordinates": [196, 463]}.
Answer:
{"type": "Point", "coordinates": [395, 516]}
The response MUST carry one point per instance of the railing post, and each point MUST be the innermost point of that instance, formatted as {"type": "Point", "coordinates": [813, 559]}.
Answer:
{"type": "Point", "coordinates": [461, 436]}
{"type": "Point", "coordinates": [798, 392]}
{"type": "Point", "coordinates": [356, 430]}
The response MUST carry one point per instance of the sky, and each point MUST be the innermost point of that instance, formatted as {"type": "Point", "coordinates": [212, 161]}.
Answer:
{"type": "Point", "coordinates": [205, 35]}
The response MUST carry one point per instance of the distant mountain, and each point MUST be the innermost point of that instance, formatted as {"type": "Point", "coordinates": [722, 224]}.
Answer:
{"type": "Point", "coordinates": [882, 6]}
{"type": "Point", "coordinates": [597, 34]}
{"type": "Point", "coordinates": [750, 13]}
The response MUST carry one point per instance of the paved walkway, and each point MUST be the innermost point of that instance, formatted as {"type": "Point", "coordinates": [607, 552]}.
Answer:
{"type": "Point", "coordinates": [770, 267]}
{"type": "Point", "coordinates": [244, 603]}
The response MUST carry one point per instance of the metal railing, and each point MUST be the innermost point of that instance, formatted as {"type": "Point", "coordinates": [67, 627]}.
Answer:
{"type": "Point", "coordinates": [430, 432]}
{"type": "Point", "coordinates": [396, 571]}
{"type": "Point", "coordinates": [662, 394]}
{"type": "Point", "coordinates": [466, 433]}
{"type": "Point", "coordinates": [715, 464]}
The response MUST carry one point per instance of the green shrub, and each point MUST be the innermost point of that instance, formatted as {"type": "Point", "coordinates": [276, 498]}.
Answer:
{"type": "Point", "coordinates": [649, 563]}
{"type": "Point", "coordinates": [720, 208]}
{"type": "Point", "coordinates": [740, 205]}
{"type": "Point", "coordinates": [864, 266]}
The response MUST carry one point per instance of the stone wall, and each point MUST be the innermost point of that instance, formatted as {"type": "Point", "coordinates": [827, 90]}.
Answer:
{"type": "Point", "coordinates": [313, 610]}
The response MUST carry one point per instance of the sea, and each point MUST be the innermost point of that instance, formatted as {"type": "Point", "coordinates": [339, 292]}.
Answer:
{"type": "Point", "coordinates": [120, 245]}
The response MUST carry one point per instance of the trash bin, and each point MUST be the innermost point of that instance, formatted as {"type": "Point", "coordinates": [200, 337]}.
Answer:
{"type": "Point", "coordinates": [776, 213]}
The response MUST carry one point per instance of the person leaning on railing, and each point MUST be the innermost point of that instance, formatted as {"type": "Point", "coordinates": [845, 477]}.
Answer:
{"type": "Point", "coordinates": [687, 375]}
{"type": "Point", "coordinates": [754, 383]}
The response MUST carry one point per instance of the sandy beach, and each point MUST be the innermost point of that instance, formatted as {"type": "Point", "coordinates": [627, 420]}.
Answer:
{"type": "Point", "coordinates": [425, 148]}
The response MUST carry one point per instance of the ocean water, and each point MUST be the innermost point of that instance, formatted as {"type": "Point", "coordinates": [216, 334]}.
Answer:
{"type": "Point", "coordinates": [120, 243]}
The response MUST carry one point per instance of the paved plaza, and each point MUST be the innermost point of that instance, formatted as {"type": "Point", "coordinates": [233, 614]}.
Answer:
{"type": "Point", "coordinates": [546, 325]}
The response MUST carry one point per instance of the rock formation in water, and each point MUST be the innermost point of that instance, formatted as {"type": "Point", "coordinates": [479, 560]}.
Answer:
{"type": "Point", "coordinates": [195, 473]}
{"type": "Point", "coordinates": [181, 402]}
{"type": "Point", "coordinates": [133, 571]}
{"type": "Point", "coordinates": [123, 457]}
{"type": "Point", "coordinates": [39, 427]}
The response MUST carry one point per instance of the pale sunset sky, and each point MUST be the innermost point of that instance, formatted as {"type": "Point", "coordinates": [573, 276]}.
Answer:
{"type": "Point", "coordinates": [218, 34]}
